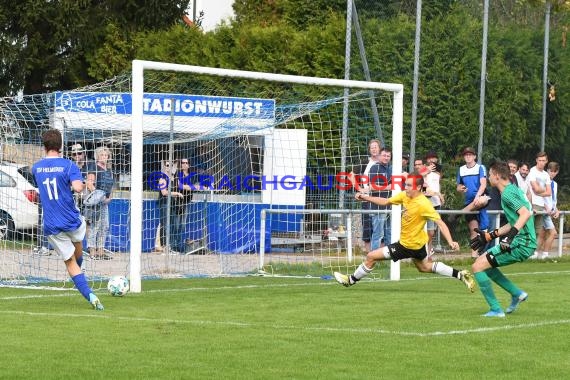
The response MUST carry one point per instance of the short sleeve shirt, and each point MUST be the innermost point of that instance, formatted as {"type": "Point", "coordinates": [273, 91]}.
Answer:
{"type": "Point", "coordinates": [54, 176]}
{"type": "Point", "coordinates": [540, 177]}
{"type": "Point", "coordinates": [417, 211]}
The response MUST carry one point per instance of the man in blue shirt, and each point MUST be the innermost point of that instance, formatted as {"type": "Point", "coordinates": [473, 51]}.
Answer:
{"type": "Point", "coordinates": [57, 178]}
{"type": "Point", "coordinates": [372, 177]}
{"type": "Point", "coordinates": [472, 181]}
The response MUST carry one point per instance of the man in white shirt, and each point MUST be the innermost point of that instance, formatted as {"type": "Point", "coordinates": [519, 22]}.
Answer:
{"type": "Point", "coordinates": [538, 182]}
{"type": "Point", "coordinates": [547, 233]}
{"type": "Point", "coordinates": [433, 192]}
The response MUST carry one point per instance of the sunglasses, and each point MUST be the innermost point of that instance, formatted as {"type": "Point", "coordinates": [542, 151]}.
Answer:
{"type": "Point", "coordinates": [185, 162]}
{"type": "Point", "coordinates": [76, 154]}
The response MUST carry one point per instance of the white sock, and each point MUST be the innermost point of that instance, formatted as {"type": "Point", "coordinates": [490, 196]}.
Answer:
{"type": "Point", "coordinates": [544, 253]}
{"type": "Point", "coordinates": [442, 269]}
{"type": "Point", "coordinates": [362, 271]}
{"type": "Point", "coordinates": [386, 253]}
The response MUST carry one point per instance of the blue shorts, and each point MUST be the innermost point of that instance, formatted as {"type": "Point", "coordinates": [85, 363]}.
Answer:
{"type": "Point", "coordinates": [547, 222]}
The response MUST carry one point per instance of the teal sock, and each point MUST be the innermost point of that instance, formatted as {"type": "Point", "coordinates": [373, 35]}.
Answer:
{"type": "Point", "coordinates": [499, 278]}
{"type": "Point", "coordinates": [81, 285]}
{"type": "Point", "coordinates": [486, 288]}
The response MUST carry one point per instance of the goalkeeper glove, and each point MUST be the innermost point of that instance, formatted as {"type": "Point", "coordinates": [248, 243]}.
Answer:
{"type": "Point", "coordinates": [479, 242]}
{"type": "Point", "coordinates": [507, 239]}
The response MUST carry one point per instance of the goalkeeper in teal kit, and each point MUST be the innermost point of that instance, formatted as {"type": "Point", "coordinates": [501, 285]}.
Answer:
{"type": "Point", "coordinates": [517, 242]}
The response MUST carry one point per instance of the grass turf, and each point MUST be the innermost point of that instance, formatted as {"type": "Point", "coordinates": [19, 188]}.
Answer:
{"type": "Point", "coordinates": [424, 326]}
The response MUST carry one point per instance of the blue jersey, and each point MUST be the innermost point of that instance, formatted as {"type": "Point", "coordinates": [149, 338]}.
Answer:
{"type": "Point", "coordinates": [470, 178]}
{"type": "Point", "coordinates": [54, 176]}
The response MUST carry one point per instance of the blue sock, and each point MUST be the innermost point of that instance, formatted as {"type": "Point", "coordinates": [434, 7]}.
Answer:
{"type": "Point", "coordinates": [79, 260]}
{"type": "Point", "coordinates": [81, 285]}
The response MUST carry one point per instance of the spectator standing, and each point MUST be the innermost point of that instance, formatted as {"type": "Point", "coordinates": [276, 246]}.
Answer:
{"type": "Point", "coordinates": [79, 157]}
{"type": "Point", "coordinates": [360, 178]}
{"type": "Point", "coordinates": [379, 179]}
{"type": "Point", "coordinates": [433, 192]}
{"type": "Point", "coordinates": [184, 186]}
{"type": "Point", "coordinates": [548, 233]}
{"type": "Point", "coordinates": [385, 161]}
{"type": "Point", "coordinates": [100, 181]}
{"type": "Point", "coordinates": [472, 181]}
{"type": "Point", "coordinates": [168, 186]}
{"type": "Point", "coordinates": [538, 182]}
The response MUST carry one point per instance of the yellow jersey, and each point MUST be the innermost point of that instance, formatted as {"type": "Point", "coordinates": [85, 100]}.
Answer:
{"type": "Point", "coordinates": [416, 213]}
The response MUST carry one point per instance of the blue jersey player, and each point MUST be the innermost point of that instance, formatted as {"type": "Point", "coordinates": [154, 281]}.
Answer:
{"type": "Point", "coordinates": [57, 178]}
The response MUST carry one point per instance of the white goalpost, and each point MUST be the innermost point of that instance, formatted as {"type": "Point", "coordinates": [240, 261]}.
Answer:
{"type": "Point", "coordinates": [139, 68]}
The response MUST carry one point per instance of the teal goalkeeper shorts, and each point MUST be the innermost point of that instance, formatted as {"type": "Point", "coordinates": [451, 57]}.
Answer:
{"type": "Point", "coordinates": [517, 254]}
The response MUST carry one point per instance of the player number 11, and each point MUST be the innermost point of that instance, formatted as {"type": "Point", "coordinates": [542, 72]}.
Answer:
{"type": "Point", "coordinates": [51, 194]}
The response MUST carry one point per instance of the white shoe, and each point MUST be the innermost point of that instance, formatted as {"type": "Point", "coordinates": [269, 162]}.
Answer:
{"type": "Point", "coordinates": [42, 251]}
{"type": "Point", "coordinates": [467, 278]}
{"type": "Point", "coordinates": [342, 279]}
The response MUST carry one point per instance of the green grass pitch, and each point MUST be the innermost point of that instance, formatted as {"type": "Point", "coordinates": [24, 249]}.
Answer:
{"type": "Point", "coordinates": [422, 327]}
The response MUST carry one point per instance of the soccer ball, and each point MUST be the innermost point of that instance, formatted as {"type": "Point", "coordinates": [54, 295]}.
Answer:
{"type": "Point", "coordinates": [118, 286]}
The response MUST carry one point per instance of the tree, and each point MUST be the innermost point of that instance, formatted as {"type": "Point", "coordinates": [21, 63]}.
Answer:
{"type": "Point", "coordinates": [47, 45]}
{"type": "Point", "coordinates": [300, 14]}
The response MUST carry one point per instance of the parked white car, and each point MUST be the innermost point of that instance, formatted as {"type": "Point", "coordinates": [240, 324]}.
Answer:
{"type": "Point", "coordinates": [18, 199]}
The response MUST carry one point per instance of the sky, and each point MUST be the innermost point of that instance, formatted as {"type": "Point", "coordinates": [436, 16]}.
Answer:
{"type": "Point", "coordinates": [214, 11]}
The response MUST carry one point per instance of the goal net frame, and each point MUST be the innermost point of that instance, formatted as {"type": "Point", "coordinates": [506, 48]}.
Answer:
{"type": "Point", "coordinates": [138, 74]}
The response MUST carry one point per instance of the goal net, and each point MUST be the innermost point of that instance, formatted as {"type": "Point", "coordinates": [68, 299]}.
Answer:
{"type": "Point", "coordinates": [216, 172]}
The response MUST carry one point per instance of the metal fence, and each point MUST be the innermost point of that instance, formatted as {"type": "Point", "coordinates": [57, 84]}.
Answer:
{"type": "Point", "coordinates": [319, 231]}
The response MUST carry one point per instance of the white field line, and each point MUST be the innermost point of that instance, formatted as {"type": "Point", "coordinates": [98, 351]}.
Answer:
{"type": "Point", "coordinates": [71, 291]}
{"type": "Point", "coordinates": [351, 330]}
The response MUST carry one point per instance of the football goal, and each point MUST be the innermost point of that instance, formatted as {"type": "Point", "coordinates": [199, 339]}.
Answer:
{"type": "Point", "coordinates": [216, 172]}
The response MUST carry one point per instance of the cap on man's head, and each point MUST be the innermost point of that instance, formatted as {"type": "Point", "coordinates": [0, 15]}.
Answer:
{"type": "Point", "coordinates": [406, 156]}
{"type": "Point", "coordinates": [76, 148]}
{"type": "Point", "coordinates": [431, 154]}
{"type": "Point", "coordinates": [468, 150]}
